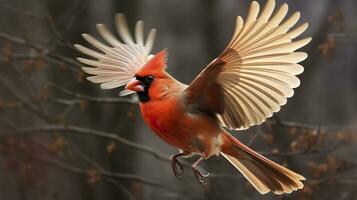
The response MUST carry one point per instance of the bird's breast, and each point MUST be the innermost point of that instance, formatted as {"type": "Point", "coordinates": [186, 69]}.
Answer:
{"type": "Point", "coordinates": [170, 121]}
{"type": "Point", "coordinates": [162, 116]}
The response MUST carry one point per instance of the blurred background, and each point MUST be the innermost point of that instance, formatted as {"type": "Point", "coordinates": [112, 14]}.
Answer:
{"type": "Point", "coordinates": [62, 138]}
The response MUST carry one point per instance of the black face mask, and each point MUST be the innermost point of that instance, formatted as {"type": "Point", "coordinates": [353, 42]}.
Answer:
{"type": "Point", "coordinates": [146, 81]}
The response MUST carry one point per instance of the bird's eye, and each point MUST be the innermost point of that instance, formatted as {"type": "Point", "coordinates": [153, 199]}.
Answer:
{"type": "Point", "coordinates": [150, 78]}
{"type": "Point", "coordinates": [147, 80]}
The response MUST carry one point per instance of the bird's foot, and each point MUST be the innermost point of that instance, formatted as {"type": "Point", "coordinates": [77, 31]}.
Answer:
{"type": "Point", "coordinates": [200, 176]}
{"type": "Point", "coordinates": [177, 167]}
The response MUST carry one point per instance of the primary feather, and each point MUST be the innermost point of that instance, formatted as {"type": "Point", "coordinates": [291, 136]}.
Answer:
{"type": "Point", "coordinates": [116, 62]}
{"type": "Point", "coordinates": [256, 73]}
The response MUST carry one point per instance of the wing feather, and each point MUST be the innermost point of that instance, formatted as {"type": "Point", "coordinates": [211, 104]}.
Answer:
{"type": "Point", "coordinates": [109, 64]}
{"type": "Point", "coordinates": [115, 64]}
{"type": "Point", "coordinates": [257, 70]}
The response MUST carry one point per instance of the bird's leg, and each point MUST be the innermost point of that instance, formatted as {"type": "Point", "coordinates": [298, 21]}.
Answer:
{"type": "Point", "coordinates": [201, 178]}
{"type": "Point", "coordinates": [177, 167]}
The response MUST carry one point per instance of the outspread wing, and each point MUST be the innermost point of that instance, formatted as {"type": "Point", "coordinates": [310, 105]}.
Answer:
{"type": "Point", "coordinates": [256, 73]}
{"type": "Point", "coordinates": [115, 64]}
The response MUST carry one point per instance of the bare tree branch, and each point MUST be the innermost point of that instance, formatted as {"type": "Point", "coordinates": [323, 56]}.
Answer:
{"type": "Point", "coordinates": [10, 87]}
{"type": "Point", "coordinates": [125, 176]}
{"type": "Point", "coordinates": [92, 99]}
{"type": "Point", "coordinates": [86, 131]}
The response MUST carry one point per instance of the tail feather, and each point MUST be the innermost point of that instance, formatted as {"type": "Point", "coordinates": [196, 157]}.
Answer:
{"type": "Point", "coordinates": [264, 174]}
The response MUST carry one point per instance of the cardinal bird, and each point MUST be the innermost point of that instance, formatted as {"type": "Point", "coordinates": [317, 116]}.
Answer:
{"type": "Point", "coordinates": [249, 81]}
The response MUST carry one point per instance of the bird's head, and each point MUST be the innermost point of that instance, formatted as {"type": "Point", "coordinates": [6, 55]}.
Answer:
{"type": "Point", "coordinates": [151, 81]}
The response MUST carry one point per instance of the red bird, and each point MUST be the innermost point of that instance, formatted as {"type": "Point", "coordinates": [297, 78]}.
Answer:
{"type": "Point", "coordinates": [249, 81]}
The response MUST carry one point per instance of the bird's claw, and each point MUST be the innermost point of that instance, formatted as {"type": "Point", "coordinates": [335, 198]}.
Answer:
{"type": "Point", "coordinates": [201, 178]}
{"type": "Point", "coordinates": [177, 167]}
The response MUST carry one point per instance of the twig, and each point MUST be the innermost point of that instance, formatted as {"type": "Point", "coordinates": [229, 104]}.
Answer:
{"type": "Point", "coordinates": [125, 176]}
{"type": "Point", "coordinates": [78, 12]}
{"type": "Point", "coordinates": [10, 87]}
{"type": "Point", "coordinates": [308, 126]}
{"type": "Point", "coordinates": [86, 131]}
{"type": "Point", "coordinates": [344, 37]}
{"type": "Point", "coordinates": [44, 53]}
{"type": "Point", "coordinates": [8, 123]}
{"type": "Point", "coordinates": [120, 187]}
{"type": "Point", "coordinates": [20, 41]}
{"type": "Point", "coordinates": [89, 98]}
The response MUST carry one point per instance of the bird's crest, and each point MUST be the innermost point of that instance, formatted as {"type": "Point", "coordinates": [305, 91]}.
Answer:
{"type": "Point", "coordinates": [156, 63]}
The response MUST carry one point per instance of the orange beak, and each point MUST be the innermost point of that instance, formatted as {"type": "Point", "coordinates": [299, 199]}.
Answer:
{"type": "Point", "coordinates": [135, 85]}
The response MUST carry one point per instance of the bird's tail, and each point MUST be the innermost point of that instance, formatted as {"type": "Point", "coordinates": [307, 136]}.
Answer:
{"type": "Point", "coordinates": [264, 174]}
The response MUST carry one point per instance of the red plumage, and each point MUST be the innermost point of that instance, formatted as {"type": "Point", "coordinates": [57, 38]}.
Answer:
{"type": "Point", "coordinates": [197, 132]}
{"type": "Point", "coordinates": [249, 81]}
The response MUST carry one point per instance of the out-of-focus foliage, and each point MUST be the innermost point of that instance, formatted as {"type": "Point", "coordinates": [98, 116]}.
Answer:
{"type": "Point", "coordinates": [63, 138]}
